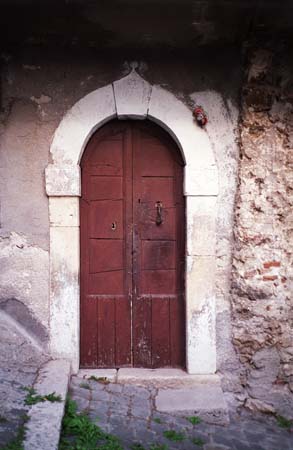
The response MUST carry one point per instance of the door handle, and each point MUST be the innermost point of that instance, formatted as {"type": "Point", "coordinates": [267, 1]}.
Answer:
{"type": "Point", "coordinates": [159, 207]}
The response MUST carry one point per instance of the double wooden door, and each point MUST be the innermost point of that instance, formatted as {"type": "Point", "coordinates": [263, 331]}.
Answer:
{"type": "Point", "coordinates": [132, 248]}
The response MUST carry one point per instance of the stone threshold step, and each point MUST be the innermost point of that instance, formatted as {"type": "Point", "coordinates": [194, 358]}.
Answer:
{"type": "Point", "coordinates": [153, 376]}
{"type": "Point", "coordinates": [179, 393]}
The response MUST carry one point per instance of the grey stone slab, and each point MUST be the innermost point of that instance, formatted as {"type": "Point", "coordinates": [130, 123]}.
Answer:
{"type": "Point", "coordinates": [136, 391]}
{"type": "Point", "coordinates": [81, 403]}
{"type": "Point", "coordinates": [80, 392]}
{"type": "Point", "coordinates": [114, 388]}
{"type": "Point", "coordinates": [99, 407]}
{"type": "Point", "coordinates": [119, 407]}
{"type": "Point", "coordinates": [140, 412]}
{"type": "Point", "coordinates": [205, 401]}
{"type": "Point", "coordinates": [98, 418]}
{"type": "Point", "coordinates": [217, 447]}
{"type": "Point", "coordinates": [110, 374]}
{"type": "Point", "coordinates": [44, 425]}
{"type": "Point", "coordinates": [101, 396]}
{"type": "Point", "coordinates": [96, 386]}
{"type": "Point", "coordinates": [75, 381]}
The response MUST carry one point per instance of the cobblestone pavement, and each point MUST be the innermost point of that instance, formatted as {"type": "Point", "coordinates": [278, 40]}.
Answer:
{"type": "Point", "coordinates": [12, 396]}
{"type": "Point", "coordinates": [128, 411]}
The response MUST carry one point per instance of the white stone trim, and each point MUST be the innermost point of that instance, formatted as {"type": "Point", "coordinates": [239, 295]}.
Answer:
{"type": "Point", "coordinates": [132, 97]}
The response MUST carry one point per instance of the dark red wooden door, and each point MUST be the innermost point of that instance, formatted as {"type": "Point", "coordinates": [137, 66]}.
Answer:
{"type": "Point", "coordinates": [132, 248]}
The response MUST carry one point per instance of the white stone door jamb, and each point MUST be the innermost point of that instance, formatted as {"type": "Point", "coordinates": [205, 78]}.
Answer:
{"type": "Point", "coordinates": [132, 98]}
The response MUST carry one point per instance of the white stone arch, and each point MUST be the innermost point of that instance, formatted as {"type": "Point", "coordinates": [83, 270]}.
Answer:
{"type": "Point", "coordinates": [132, 98]}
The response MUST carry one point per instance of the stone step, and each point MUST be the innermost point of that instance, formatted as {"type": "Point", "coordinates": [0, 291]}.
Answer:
{"type": "Point", "coordinates": [179, 393]}
{"type": "Point", "coordinates": [203, 400]}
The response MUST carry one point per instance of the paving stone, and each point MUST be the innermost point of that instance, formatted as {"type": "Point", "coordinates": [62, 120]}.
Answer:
{"type": "Point", "coordinates": [75, 381]}
{"type": "Point", "coordinates": [206, 401]}
{"type": "Point", "coordinates": [217, 447]}
{"type": "Point", "coordinates": [99, 406]}
{"type": "Point", "coordinates": [141, 408]}
{"type": "Point", "coordinates": [80, 392]}
{"type": "Point", "coordinates": [243, 432]}
{"type": "Point", "coordinates": [115, 388]}
{"type": "Point", "coordinates": [241, 445]}
{"type": "Point", "coordinates": [136, 391]}
{"type": "Point", "coordinates": [82, 403]}
{"type": "Point", "coordinates": [98, 418]}
{"type": "Point", "coordinates": [97, 387]}
{"type": "Point", "coordinates": [118, 407]}
{"type": "Point", "coordinates": [117, 422]}
{"type": "Point", "coordinates": [101, 395]}
{"type": "Point", "coordinates": [165, 418]}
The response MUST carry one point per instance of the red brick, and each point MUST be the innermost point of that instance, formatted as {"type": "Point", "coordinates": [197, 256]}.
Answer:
{"type": "Point", "coordinates": [269, 264]}
{"type": "Point", "coordinates": [270, 277]}
{"type": "Point", "coordinates": [250, 273]}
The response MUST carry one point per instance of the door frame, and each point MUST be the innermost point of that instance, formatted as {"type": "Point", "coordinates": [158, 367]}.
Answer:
{"type": "Point", "coordinates": [133, 98]}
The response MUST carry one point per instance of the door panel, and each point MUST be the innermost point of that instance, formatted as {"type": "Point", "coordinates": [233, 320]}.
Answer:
{"type": "Point", "coordinates": [158, 254]}
{"type": "Point", "coordinates": [106, 219]}
{"type": "Point", "coordinates": [132, 264]}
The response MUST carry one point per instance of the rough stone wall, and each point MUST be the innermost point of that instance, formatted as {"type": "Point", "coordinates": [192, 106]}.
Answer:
{"type": "Point", "coordinates": [262, 265]}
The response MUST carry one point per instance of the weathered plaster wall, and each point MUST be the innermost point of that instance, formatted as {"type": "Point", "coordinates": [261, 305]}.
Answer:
{"type": "Point", "coordinates": [37, 91]}
{"type": "Point", "coordinates": [24, 217]}
{"type": "Point", "coordinates": [262, 265]}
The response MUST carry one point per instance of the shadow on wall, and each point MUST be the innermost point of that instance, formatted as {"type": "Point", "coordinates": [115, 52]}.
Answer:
{"type": "Point", "coordinates": [18, 312]}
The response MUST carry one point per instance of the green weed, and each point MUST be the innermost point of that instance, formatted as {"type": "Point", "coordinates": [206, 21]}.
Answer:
{"type": "Point", "coordinates": [3, 419]}
{"type": "Point", "coordinates": [16, 443]}
{"type": "Point", "coordinates": [172, 435]}
{"type": "Point", "coordinates": [197, 441]}
{"type": "Point", "coordinates": [103, 380]}
{"type": "Point", "coordinates": [85, 386]}
{"type": "Point", "coordinates": [157, 420]}
{"type": "Point", "coordinates": [284, 423]}
{"type": "Point", "coordinates": [32, 397]}
{"type": "Point", "coordinates": [159, 447]}
{"type": "Point", "coordinates": [93, 378]}
{"type": "Point", "coordinates": [194, 420]}
{"type": "Point", "coordinates": [137, 447]}
{"type": "Point", "coordinates": [79, 433]}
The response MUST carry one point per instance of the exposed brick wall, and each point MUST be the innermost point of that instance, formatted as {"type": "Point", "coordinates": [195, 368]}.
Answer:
{"type": "Point", "coordinates": [262, 303]}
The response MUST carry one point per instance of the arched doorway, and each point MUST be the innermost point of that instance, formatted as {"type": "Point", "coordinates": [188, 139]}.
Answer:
{"type": "Point", "coordinates": [132, 97]}
{"type": "Point", "coordinates": [132, 235]}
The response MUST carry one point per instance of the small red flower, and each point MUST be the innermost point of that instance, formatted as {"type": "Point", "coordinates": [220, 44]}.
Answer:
{"type": "Point", "coordinates": [200, 116]}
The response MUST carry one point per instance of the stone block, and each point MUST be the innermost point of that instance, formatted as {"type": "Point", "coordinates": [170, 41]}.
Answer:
{"type": "Point", "coordinates": [62, 180]}
{"type": "Point", "coordinates": [64, 291]}
{"type": "Point", "coordinates": [132, 95]}
{"type": "Point", "coordinates": [206, 401]}
{"type": "Point", "coordinates": [110, 374]}
{"type": "Point", "coordinates": [201, 181]}
{"type": "Point", "coordinates": [44, 424]}
{"type": "Point", "coordinates": [201, 339]}
{"type": "Point", "coordinates": [80, 122]}
{"type": "Point", "coordinates": [64, 211]}
{"type": "Point", "coordinates": [201, 232]}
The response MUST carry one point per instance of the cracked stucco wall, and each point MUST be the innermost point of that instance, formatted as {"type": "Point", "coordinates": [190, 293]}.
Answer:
{"type": "Point", "coordinates": [37, 90]}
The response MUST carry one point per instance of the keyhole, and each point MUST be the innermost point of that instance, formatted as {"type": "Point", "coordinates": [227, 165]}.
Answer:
{"type": "Point", "coordinates": [113, 226]}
